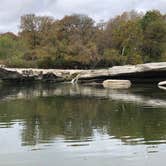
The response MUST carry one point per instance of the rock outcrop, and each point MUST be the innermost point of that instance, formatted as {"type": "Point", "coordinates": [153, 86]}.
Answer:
{"type": "Point", "coordinates": [150, 71]}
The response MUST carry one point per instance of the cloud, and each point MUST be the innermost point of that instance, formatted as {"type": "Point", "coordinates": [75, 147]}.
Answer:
{"type": "Point", "coordinates": [11, 10]}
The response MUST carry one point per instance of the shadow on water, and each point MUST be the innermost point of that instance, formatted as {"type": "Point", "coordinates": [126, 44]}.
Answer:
{"type": "Point", "coordinates": [48, 112]}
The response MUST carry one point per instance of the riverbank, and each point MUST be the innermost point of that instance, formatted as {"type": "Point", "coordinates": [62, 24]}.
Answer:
{"type": "Point", "coordinates": [149, 72]}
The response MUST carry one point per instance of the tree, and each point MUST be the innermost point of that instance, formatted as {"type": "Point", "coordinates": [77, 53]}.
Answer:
{"type": "Point", "coordinates": [124, 34]}
{"type": "Point", "coordinates": [34, 29]}
{"type": "Point", "coordinates": [78, 33]}
{"type": "Point", "coordinates": [154, 32]}
{"type": "Point", "coordinates": [77, 27]}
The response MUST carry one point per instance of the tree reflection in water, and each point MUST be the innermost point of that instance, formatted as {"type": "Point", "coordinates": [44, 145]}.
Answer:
{"type": "Point", "coordinates": [73, 113]}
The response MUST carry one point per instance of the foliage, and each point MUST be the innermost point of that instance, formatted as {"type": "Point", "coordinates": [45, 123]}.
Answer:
{"type": "Point", "coordinates": [76, 41]}
{"type": "Point", "coordinates": [154, 33]}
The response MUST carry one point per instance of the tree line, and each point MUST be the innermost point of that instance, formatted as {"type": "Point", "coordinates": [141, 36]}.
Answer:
{"type": "Point", "coordinates": [77, 41]}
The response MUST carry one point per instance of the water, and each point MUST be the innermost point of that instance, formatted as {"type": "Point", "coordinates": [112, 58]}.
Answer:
{"type": "Point", "coordinates": [59, 125]}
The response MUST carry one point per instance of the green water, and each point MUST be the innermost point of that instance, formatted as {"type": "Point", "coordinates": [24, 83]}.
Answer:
{"type": "Point", "coordinates": [59, 125]}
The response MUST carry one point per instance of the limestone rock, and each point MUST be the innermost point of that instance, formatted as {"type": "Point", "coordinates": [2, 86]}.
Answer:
{"type": "Point", "coordinates": [117, 84]}
{"type": "Point", "coordinates": [149, 70]}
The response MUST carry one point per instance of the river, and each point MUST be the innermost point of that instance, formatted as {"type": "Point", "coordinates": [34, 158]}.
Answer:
{"type": "Point", "coordinates": [70, 125]}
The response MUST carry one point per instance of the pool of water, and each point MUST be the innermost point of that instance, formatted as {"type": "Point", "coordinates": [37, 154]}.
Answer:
{"type": "Point", "coordinates": [70, 125]}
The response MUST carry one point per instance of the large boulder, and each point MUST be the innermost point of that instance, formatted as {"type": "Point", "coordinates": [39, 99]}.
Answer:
{"type": "Point", "coordinates": [117, 84]}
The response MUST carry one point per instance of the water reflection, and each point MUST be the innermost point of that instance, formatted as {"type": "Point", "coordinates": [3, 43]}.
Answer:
{"type": "Point", "coordinates": [75, 114]}
{"type": "Point", "coordinates": [147, 95]}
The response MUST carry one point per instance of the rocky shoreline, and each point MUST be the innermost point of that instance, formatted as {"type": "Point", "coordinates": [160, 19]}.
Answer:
{"type": "Point", "coordinates": [150, 72]}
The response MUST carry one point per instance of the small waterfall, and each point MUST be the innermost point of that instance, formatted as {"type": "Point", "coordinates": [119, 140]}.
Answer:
{"type": "Point", "coordinates": [75, 79]}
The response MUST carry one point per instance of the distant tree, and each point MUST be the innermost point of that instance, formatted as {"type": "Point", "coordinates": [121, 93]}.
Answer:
{"type": "Point", "coordinates": [79, 32]}
{"type": "Point", "coordinates": [35, 28]}
{"type": "Point", "coordinates": [77, 41]}
{"type": "Point", "coordinates": [77, 27]}
{"type": "Point", "coordinates": [154, 31]}
{"type": "Point", "coordinates": [124, 33]}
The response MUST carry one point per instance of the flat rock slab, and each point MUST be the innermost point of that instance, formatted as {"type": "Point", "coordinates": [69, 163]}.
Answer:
{"type": "Point", "coordinates": [117, 84]}
{"type": "Point", "coordinates": [82, 75]}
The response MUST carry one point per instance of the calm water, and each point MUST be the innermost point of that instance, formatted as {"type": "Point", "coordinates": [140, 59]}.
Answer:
{"type": "Point", "coordinates": [65, 125]}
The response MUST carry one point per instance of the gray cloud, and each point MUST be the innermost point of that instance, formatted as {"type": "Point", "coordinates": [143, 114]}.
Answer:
{"type": "Point", "coordinates": [11, 10]}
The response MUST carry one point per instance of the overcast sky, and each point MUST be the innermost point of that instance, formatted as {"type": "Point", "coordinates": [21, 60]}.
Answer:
{"type": "Point", "coordinates": [11, 10]}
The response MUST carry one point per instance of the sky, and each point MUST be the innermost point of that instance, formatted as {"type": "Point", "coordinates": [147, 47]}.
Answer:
{"type": "Point", "coordinates": [12, 10]}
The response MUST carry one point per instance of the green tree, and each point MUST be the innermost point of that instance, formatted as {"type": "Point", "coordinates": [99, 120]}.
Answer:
{"type": "Point", "coordinates": [154, 32]}
{"type": "Point", "coordinates": [124, 34]}
{"type": "Point", "coordinates": [11, 47]}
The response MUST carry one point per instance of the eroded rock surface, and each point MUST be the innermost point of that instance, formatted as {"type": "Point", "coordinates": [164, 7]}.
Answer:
{"type": "Point", "coordinates": [149, 70]}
